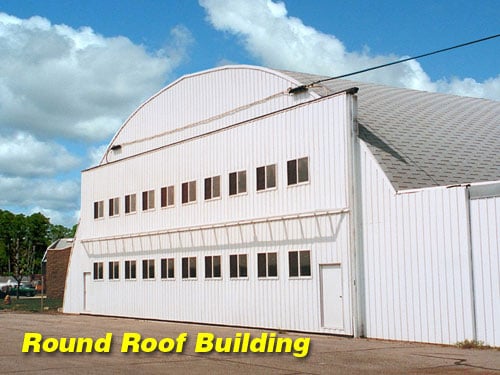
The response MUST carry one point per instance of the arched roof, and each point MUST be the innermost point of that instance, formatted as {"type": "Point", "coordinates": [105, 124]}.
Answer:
{"type": "Point", "coordinates": [420, 139]}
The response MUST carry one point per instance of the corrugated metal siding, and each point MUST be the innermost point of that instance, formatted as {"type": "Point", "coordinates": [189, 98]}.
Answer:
{"type": "Point", "coordinates": [416, 258]}
{"type": "Point", "coordinates": [183, 109]}
{"type": "Point", "coordinates": [317, 131]}
{"type": "Point", "coordinates": [485, 230]}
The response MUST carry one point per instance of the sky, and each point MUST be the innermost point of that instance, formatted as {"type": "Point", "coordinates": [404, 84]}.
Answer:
{"type": "Point", "coordinates": [72, 71]}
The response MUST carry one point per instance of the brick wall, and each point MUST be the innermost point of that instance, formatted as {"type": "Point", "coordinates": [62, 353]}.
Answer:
{"type": "Point", "coordinates": [57, 266]}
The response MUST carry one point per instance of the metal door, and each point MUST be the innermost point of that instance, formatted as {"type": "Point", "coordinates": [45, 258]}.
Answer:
{"type": "Point", "coordinates": [332, 303]}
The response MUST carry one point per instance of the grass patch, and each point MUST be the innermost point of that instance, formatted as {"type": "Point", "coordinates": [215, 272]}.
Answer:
{"type": "Point", "coordinates": [472, 344]}
{"type": "Point", "coordinates": [32, 305]}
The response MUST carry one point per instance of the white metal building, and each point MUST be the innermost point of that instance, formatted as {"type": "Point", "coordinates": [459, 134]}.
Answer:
{"type": "Point", "coordinates": [250, 197]}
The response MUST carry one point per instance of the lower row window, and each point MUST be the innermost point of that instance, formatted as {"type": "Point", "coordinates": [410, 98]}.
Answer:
{"type": "Point", "coordinates": [299, 265]}
{"type": "Point", "coordinates": [212, 266]}
{"type": "Point", "coordinates": [189, 268]}
{"type": "Point", "coordinates": [148, 268]}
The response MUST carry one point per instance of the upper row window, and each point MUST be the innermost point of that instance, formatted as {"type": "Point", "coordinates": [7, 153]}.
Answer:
{"type": "Point", "coordinates": [266, 177]}
{"type": "Point", "coordinates": [148, 200]}
{"type": "Point", "coordinates": [130, 205]}
{"type": "Point", "coordinates": [189, 192]}
{"type": "Point", "coordinates": [297, 171]}
{"type": "Point", "coordinates": [237, 182]}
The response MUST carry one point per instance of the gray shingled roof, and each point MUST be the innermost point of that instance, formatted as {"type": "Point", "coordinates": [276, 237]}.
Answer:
{"type": "Point", "coordinates": [422, 139]}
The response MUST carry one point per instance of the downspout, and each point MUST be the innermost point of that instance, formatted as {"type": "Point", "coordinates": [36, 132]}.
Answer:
{"type": "Point", "coordinates": [471, 265]}
{"type": "Point", "coordinates": [356, 234]}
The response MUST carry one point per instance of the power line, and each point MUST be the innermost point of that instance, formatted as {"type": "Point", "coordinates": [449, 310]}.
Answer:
{"type": "Point", "coordinates": [407, 59]}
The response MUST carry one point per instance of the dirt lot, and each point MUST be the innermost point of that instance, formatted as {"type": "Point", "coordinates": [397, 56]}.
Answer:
{"type": "Point", "coordinates": [327, 354]}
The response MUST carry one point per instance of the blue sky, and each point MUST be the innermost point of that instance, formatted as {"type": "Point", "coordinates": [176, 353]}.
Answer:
{"type": "Point", "coordinates": [72, 71]}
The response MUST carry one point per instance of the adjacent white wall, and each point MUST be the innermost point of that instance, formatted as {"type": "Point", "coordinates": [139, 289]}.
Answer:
{"type": "Point", "coordinates": [485, 230]}
{"type": "Point", "coordinates": [416, 259]}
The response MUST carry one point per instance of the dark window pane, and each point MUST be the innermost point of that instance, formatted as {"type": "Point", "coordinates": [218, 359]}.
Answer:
{"type": "Point", "coordinates": [171, 274]}
{"type": "Point", "coordinates": [185, 268]}
{"type": "Point", "coordinates": [261, 265]}
{"type": "Point", "coordinates": [192, 267]}
{"type": "Point", "coordinates": [163, 269]}
{"type": "Point", "coordinates": [293, 264]}
{"type": "Point", "coordinates": [127, 204]}
{"type": "Point", "coordinates": [216, 264]}
{"type": "Point", "coordinates": [243, 265]}
{"type": "Point", "coordinates": [95, 271]}
{"type": "Point", "coordinates": [163, 194]}
{"type": "Point", "coordinates": [271, 176]}
{"type": "Point", "coordinates": [117, 270]}
{"type": "Point", "coordinates": [208, 267]}
{"type": "Point", "coordinates": [232, 183]}
{"type": "Point", "coordinates": [272, 264]}
{"type": "Point", "coordinates": [132, 270]}
{"type": "Point", "coordinates": [185, 195]}
{"type": "Point", "coordinates": [261, 178]}
{"type": "Point", "coordinates": [151, 268]}
{"type": "Point", "coordinates": [127, 269]}
{"type": "Point", "coordinates": [233, 266]}
{"type": "Point", "coordinates": [303, 170]}
{"type": "Point", "coordinates": [208, 188]}
{"type": "Point", "coordinates": [111, 210]}
{"type": "Point", "coordinates": [96, 210]}
{"type": "Point", "coordinates": [144, 200]}
{"type": "Point", "coordinates": [291, 167]}
{"type": "Point", "coordinates": [305, 263]}
{"type": "Point", "coordinates": [110, 270]}
{"type": "Point", "coordinates": [242, 182]}
{"type": "Point", "coordinates": [144, 269]}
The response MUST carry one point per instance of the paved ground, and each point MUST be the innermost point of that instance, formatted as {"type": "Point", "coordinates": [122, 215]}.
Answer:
{"type": "Point", "coordinates": [327, 354]}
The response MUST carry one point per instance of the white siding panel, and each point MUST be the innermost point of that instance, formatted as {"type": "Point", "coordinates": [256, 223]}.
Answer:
{"type": "Point", "coordinates": [416, 258]}
{"type": "Point", "coordinates": [485, 228]}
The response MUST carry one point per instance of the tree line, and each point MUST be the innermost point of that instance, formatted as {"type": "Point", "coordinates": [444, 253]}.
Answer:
{"type": "Point", "coordinates": [23, 241]}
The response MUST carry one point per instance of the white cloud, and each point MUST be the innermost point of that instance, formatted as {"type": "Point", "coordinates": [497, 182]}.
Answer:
{"type": "Point", "coordinates": [284, 42]}
{"type": "Point", "coordinates": [95, 155]}
{"type": "Point", "coordinates": [23, 155]}
{"type": "Point", "coordinates": [40, 192]}
{"type": "Point", "coordinates": [58, 81]}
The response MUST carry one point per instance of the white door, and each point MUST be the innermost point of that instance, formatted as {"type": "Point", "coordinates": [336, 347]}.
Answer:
{"type": "Point", "coordinates": [332, 303]}
{"type": "Point", "coordinates": [86, 280]}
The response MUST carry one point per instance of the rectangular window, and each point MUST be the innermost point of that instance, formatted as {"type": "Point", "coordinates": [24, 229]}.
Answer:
{"type": "Point", "coordinates": [98, 209]}
{"type": "Point", "coordinates": [130, 266]}
{"type": "Point", "coordinates": [237, 182]}
{"type": "Point", "coordinates": [299, 263]}
{"type": "Point", "coordinates": [212, 187]}
{"type": "Point", "coordinates": [167, 196]}
{"type": "Point", "coordinates": [130, 203]}
{"type": "Point", "coordinates": [98, 271]}
{"type": "Point", "coordinates": [189, 268]}
{"type": "Point", "coordinates": [238, 265]}
{"type": "Point", "coordinates": [114, 206]}
{"type": "Point", "coordinates": [167, 268]}
{"type": "Point", "coordinates": [266, 177]}
{"type": "Point", "coordinates": [148, 268]}
{"type": "Point", "coordinates": [148, 200]}
{"type": "Point", "coordinates": [189, 192]}
{"type": "Point", "coordinates": [114, 270]}
{"type": "Point", "coordinates": [212, 267]}
{"type": "Point", "coordinates": [298, 171]}
{"type": "Point", "coordinates": [267, 264]}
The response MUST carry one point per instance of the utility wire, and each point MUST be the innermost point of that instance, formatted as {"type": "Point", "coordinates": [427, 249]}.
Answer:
{"type": "Point", "coordinates": [407, 59]}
